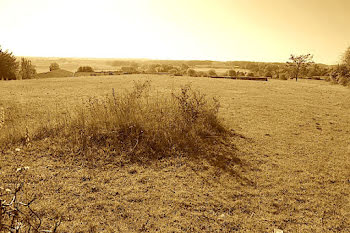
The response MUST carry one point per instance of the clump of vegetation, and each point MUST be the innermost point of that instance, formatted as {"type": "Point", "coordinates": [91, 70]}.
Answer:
{"type": "Point", "coordinates": [11, 69]}
{"type": "Point", "coordinates": [27, 70]}
{"type": "Point", "coordinates": [54, 66]}
{"type": "Point", "coordinates": [231, 73]}
{"type": "Point", "coordinates": [191, 72]}
{"type": "Point", "coordinates": [8, 65]}
{"type": "Point", "coordinates": [137, 125]}
{"type": "Point", "coordinates": [85, 69]}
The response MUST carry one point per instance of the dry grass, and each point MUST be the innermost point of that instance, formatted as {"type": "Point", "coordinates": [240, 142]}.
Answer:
{"type": "Point", "coordinates": [292, 173]}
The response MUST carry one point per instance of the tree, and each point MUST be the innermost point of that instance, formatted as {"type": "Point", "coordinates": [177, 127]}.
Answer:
{"type": "Point", "coordinates": [299, 63]}
{"type": "Point", "coordinates": [191, 73]}
{"type": "Point", "coordinates": [27, 70]}
{"type": "Point", "coordinates": [54, 66]}
{"type": "Point", "coordinates": [85, 69]}
{"type": "Point", "coordinates": [184, 66]}
{"type": "Point", "coordinates": [231, 73]}
{"type": "Point", "coordinates": [8, 65]}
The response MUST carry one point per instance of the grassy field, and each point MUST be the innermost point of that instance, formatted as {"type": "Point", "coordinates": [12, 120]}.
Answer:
{"type": "Point", "coordinates": [291, 168]}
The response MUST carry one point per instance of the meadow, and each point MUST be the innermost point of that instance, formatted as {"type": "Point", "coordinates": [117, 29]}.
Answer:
{"type": "Point", "coordinates": [289, 170]}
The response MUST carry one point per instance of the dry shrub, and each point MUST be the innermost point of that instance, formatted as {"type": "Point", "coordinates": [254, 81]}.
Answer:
{"type": "Point", "coordinates": [139, 125]}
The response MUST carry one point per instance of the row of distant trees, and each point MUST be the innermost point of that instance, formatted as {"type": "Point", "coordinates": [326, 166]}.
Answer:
{"type": "Point", "coordinates": [298, 66]}
{"type": "Point", "coordinates": [11, 69]}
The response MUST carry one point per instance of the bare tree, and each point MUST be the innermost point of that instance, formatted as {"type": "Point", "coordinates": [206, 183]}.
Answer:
{"type": "Point", "coordinates": [299, 63]}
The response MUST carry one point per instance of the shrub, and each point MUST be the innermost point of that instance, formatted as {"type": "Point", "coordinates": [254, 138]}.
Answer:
{"type": "Point", "coordinates": [54, 66]}
{"type": "Point", "coordinates": [191, 72]}
{"type": "Point", "coordinates": [202, 74]}
{"type": "Point", "coordinates": [27, 70]}
{"type": "Point", "coordinates": [231, 73]}
{"type": "Point", "coordinates": [8, 65]}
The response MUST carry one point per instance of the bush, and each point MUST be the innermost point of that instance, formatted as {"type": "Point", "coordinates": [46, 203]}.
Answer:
{"type": "Point", "coordinates": [231, 73]}
{"type": "Point", "coordinates": [8, 65]}
{"type": "Point", "coordinates": [27, 70]}
{"type": "Point", "coordinates": [85, 69]}
{"type": "Point", "coordinates": [202, 74]}
{"type": "Point", "coordinates": [191, 72]}
{"type": "Point", "coordinates": [54, 66]}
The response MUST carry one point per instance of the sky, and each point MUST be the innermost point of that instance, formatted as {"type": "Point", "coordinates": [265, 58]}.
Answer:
{"type": "Point", "coordinates": [223, 30]}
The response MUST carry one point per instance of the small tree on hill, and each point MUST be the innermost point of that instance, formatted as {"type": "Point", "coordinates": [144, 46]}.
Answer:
{"type": "Point", "coordinates": [54, 66]}
{"type": "Point", "coordinates": [299, 63]}
{"type": "Point", "coordinates": [8, 65]}
{"type": "Point", "coordinates": [27, 70]}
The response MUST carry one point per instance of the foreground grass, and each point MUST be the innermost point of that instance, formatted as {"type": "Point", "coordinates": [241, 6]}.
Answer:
{"type": "Point", "coordinates": [293, 174]}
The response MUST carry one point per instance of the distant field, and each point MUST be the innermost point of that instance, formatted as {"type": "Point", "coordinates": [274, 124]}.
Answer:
{"type": "Point", "coordinates": [295, 148]}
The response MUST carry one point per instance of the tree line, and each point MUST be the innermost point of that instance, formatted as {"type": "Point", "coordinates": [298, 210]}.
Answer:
{"type": "Point", "coordinates": [11, 69]}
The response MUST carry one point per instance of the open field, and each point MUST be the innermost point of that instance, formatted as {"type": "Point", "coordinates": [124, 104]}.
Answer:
{"type": "Point", "coordinates": [291, 170]}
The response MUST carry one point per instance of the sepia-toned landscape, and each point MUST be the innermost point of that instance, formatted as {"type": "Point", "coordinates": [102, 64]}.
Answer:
{"type": "Point", "coordinates": [184, 142]}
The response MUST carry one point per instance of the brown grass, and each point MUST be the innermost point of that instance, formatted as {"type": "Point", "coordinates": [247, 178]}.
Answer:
{"type": "Point", "coordinates": [292, 170]}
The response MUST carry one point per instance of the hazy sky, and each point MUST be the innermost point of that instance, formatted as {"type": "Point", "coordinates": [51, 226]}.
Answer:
{"type": "Point", "coordinates": [255, 30]}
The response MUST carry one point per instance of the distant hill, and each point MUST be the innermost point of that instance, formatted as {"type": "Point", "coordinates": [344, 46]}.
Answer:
{"type": "Point", "coordinates": [55, 74]}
